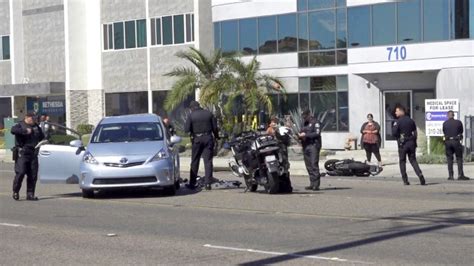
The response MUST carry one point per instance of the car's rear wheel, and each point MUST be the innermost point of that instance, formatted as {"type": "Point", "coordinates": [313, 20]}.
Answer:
{"type": "Point", "coordinates": [88, 193]}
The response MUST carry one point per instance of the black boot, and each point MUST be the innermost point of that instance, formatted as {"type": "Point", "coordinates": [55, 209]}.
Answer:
{"type": "Point", "coordinates": [16, 196]}
{"type": "Point", "coordinates": [450, 177]}
{"type": "Point", "coordinates": [422, 181]}
{"type": "Point", "coordinates": [31, 196]}
{"type": "Point", "coordinates": [405, 181]}
{"type": "Point", "coordinates": [463, 178]}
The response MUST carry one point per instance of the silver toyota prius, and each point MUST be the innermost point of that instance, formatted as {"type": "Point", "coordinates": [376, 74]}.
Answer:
{"type": "Point", "coordinates": [124, 151]}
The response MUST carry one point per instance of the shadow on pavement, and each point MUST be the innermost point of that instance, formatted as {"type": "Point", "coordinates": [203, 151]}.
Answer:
{"type": "Point", "coordinates": [426, 222]}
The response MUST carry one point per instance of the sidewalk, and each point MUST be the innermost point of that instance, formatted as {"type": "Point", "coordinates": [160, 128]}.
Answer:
{"type": "Point", "coordinates": [297, 168]}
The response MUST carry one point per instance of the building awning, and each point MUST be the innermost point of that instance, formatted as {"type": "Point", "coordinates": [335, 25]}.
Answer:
{"type": "Point", "coordinates": [402, 80]}
{"type": "Point", "coordinates": [32, 89]}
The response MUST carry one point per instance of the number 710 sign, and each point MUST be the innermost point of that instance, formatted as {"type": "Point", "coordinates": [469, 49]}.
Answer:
{"type": "Point", "coordinates": [396, 53]}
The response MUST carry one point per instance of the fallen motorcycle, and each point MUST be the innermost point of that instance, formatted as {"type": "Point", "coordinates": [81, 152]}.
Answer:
{"type": "Point", "coordinates": [350, 167]}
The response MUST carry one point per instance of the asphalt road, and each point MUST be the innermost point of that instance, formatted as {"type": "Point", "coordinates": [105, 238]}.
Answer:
{"type": "Point", "coordinates": [350, 221]}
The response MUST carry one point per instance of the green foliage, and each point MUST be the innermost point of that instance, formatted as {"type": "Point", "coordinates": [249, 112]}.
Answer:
{"type": "Point", "coordinates": [437, 146]}
{"type": "Point", "coordinates": [2, 138]}
{"type": "Point", "coordinates": [61, 139]}
{"type": "Point", "coordinates": [85, 139]}
{"type": "Point", "coordinates": [85, 129]}
{"type": "Point", "coordinates": [431, 159]}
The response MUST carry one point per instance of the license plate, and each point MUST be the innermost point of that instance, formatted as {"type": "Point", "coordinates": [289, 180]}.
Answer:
{"type": "Point", "coordinates": [270, 158]}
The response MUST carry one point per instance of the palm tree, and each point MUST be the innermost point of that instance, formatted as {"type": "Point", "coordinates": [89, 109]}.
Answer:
{"type": "Point", "coordinates": [208, 73]}
{"type": "Point", "coordinates": [252, 86]}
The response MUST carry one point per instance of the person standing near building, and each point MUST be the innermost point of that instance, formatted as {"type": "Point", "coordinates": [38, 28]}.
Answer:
{"type": "Point", "coordinates": [202, 126]}
{"type": "Point", "coordinates": [370, 140]}
{"type": "Point", "coordinates": [404, 130]}
{"type": "Point", "coordinates": [27, 135]}
{"type": "Point", "coordinates": [453, 130]}
{"type": "Point", "coordinates": [310, 136]}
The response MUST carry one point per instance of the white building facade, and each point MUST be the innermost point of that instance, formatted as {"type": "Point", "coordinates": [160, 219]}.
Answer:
{"type": "Point", "coordinates": [345, 59]}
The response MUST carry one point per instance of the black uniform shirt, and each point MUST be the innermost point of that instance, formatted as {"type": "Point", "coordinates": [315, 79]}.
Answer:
{"type": "Point", "coordinates": [25, 140]}
{"type": "Point", "coordinates": [312, 129]}
{"type": "Point", "coordinates": [404, 126]}
{"type": "Point", "coordinates": [201, 121]}
{"type": "Point", "coordinates": [452, 128]}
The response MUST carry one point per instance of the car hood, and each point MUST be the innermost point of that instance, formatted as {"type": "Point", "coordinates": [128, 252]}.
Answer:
{"type": "Point", "coordinates": [146, 149]}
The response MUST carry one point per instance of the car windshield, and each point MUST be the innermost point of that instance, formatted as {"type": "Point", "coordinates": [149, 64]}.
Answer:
{"type": "Point", "coordinates": [128, 132]}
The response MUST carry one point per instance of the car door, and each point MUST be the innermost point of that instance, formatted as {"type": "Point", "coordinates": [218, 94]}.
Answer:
{"type": "Point", "coordinates": [58, 161]}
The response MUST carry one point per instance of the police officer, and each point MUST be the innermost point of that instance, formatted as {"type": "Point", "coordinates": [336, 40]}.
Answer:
{"type": "Point", "coordinates": [310, 136]}
{"type": "Point", "coordinates": [202, 126]}
{"type": "Point", "coordinates": [27, 135]}
{"type": "Point", "coordinates": [453, 130]}
{"type": "Point", "coordinates": [404, 129]}
{"type": "Point", "coordinates": [170, 131]}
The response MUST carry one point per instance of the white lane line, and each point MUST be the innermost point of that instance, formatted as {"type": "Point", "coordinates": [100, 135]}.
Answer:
{"type": "Point", "coordinates": [13, 225]}
{"type": "Point", "coordinates": [283, 254]}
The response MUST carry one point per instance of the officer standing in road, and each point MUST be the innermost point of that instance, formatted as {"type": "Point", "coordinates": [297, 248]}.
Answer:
{"type": "Point", "coordinates": [27, 135]}
{"type": "Point", "coordinates": [404, 129]}
{"type": "Point", "coordinates": [310, 136]}
{"type": "Point", "coordinates": [453, 130]}
{"type": "Point", "coordinates": [202, 126]}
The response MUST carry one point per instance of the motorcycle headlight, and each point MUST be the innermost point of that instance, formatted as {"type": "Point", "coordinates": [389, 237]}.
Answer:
{"type": "Point", "coordinates": [162, 154]}
{"type": "Point", "coordinates": [88, 158]}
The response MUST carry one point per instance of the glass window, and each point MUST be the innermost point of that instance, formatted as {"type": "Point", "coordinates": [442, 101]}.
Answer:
{"type": "Point", "coordinates": [111, 37]}
{"type": "Point", "coordinates": [358, 23]}
{"type": "Point", "coordinates": [341, 28]}
{"type": "Point", "coordinates": [471, 19]}
{"type": "Point", "coordinates": [130, 41]}
{"type": "Point", "coordinates": [409, 21]}
{"type": "Point", "coordinates": [106, 34]}
{"type": "Point", "coordinates": [322, 58]}
{"type": "Point", "coordinates": [324, 83]}
{"type": "Point", "coordinates": [287, 33]}
{"type": "Point", "coordinates": [324, 106]}
{"type": "Point", "coordinates": [158, 31]}
{"type": "Point", "coordinates": [126, 103]}
{"type": "Point", "coordinates": [217, 35]}
{"type": "Point", "coordinates": [192, 27]}
{"type": "Point", "coordinates": [248, 36]}
{"type": "Point", "coordinates": [460, 18]}
{"type": "Point", "coordinates": [303, 32]}
{"type": "Point", "coordinates": [340, 3]}
{"type": "Point", "coordinates": [303, 84]}
{"type": "Point", "coordinates": [318, 4]}
{"type": "Point", "coordinates": [384, 25]}
{"type": "Point", "coordinates": [322, 30]}
{"type": "Point", "coordinates": [179, 29]}
{"type": "Point", "coordinates": [341, 57]}
{"type": "Point", "coordinates": [141, 33]}
{"type": "Point", "coordinates": [118, 35]}
{"type": "Point", "coordinates": [267, 35]}
{"type": "Point", "coordinates": [128, 132]}
{"type": "Point", "coordinates": [289, 103]}
{"type": "Point", "coordinates": [188, 28]}
{"type": "Point", "coordinates": [343, 111]}
{"type": "Point", "coordinates": [302, 5]}
{"type": "Point", "coordinates": [167, 30]}
{"type": "Point", "coordinates": [435, 20]}
{"type": "Point", "coordinates": [342, 83]}
{"type": "Point", "coordinates": [153, 31]}
{"type": "Point", "coordinates": [304, 101]}
{"type": "Point", "coordinates": [229, 36]}
{"type": "Point", "coordinates": [303, 59]}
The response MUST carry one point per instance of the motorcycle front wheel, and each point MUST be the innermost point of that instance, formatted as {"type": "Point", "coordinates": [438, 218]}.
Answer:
{"type": "Point", "coordinates": [251, 186]}
{"type": "Point", "coordinates": [330, 165]}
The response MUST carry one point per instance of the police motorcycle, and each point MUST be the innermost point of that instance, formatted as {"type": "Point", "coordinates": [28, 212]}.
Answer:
{"type": "Point", "coordinates": [350, 167]}
{"type": "Point", "coordinates": [262, 159]}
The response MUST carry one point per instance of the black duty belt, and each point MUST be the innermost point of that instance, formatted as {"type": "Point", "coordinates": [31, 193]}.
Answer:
{"type": "Point", "coordinates": [201, 134]}
{"type": "Point", "coordinates": [453, 138]}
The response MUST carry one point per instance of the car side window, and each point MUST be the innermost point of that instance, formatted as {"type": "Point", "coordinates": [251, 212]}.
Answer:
{"type": "Point", "coordinates": [60, 135]}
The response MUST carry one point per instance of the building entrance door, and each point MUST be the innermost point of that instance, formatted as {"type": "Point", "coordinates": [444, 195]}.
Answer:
{"type": "Point", "coordinates": [393, 99]}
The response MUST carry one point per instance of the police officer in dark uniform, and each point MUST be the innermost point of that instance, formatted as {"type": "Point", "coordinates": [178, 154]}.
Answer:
{"type": "Point", "coordinates": [453, 130]}
{"type": "Point", "coordinates": [310, 135]}
{"type": "Point", "coordinates": [404, 129]}
{"type": "Point", "coordinates": [202, 126]}
{"type": "Point", "coordinates": [27, 135]}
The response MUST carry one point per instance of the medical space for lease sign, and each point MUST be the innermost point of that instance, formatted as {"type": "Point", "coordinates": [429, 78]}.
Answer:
{"type": "Point", "coordinates": [436, 112]}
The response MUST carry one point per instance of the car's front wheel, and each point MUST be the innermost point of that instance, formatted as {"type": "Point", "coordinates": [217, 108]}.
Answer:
{"type": "Point", "coordinates": [88, 193]}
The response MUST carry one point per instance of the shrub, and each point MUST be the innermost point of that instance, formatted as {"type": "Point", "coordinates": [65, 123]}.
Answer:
{"type": "Point", "coordinates": [431, 159]}
{"type": "Point", "coordinates": [84, 129]}
{"type": "Point", "coordinates": [61, 139]}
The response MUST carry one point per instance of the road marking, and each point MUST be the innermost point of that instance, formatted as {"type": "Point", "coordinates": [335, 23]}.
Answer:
{"type": "Point", "coordinates": [13, 225]}
{"type": "Point", "coordinates": [283, 254]}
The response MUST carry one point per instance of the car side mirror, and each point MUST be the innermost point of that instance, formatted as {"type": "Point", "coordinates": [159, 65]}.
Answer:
{"type": "Point", "coordinates": [76, 144]}
{"type": "Point", "coordinates": [175, 140]}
